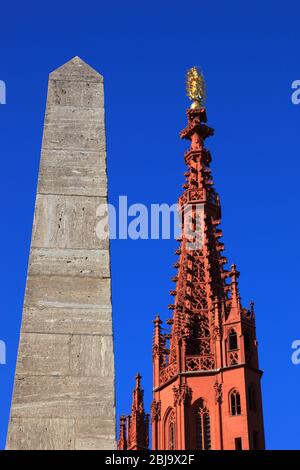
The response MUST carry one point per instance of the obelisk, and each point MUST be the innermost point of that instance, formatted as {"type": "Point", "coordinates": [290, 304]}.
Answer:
{"type": "Point", "coordinates": [64, 394]}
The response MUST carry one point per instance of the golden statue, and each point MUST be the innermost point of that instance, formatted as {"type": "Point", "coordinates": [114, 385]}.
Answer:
{"type": "Point", "coordinates": [195, 87]}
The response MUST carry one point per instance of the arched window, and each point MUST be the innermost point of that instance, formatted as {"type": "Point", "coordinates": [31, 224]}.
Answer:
{"type": "Point", "coordinates": [170, 431]}
{"type": "Point", "coordinates": [172, 435]}
{"type": "Point", "coordinates": [232, 340]}
{"type": "Point", "coordinates": [203, 441]}
{"type": "Point", "coordinates": [252, 397]}
{"type": "Point", "coordinates": [235, 403]}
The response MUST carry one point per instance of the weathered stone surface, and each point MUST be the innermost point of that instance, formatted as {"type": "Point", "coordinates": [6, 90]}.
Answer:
{"type": "Point", "coordinates": [94, 438]}
{"type": "Point", "coordinates": [49, 433]}
{"type": "Point", "coordinates": [62, 354]}
{"type": "Point", "coordinates": [56, 396]}
{"type": "Point", "coordinates": [61, 178]}
{"type": "Point", "coordinates": [90, 443]}
{"type": "Point", "coordinates": [64, 319]}
{"type": "Point", "coordinates": [44, 354]}
{"type": "Point", "coordinates": [66, 222]}
{"type": "Point", "coordinates": [56, 291]}
{"type": "Point", "coordinates": [78, 71]}
{"type": "Point", "coordinates": [75, 159]}
{"type": "Point", "coordinates": [64, 385]}
{"type": "Point", "coordinates": [101, 428]}
{"type": "Point", "coordinates": [91, 356]}
{"type": "Point", "coordinates": [68, 262]}
{"type": "Point", "coordinates": [74, 135]}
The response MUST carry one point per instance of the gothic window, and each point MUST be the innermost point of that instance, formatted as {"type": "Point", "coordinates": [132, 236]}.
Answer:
{"type": "Point", "coordinates": [235, 403]}
{"type": "Point", "coordinates": [252, 397]}
{"type": "Point", "coordinates": [172, 436]}
{"type": "Point", "coordinates": [232, 340]}
{"type": "Point", "coordinates": [203, 441]}
{"type": "Point", "coordinates": [170, 431]}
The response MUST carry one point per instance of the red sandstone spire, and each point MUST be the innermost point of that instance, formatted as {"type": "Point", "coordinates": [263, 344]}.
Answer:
{"type": "Point", "coordinates": [205, 370]}
{"type": "Point", "coordinates": [201, 274]}
{"type": "Point", "coordinates": [134, 433]}
{"type": "Point", "coordinates": [122, 442]}
{"type": "Point", "coordinates": [212, 347]}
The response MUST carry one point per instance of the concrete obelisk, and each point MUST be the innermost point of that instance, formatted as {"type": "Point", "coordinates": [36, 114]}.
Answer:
{"type": "Point", "coordinates": [64, 385]}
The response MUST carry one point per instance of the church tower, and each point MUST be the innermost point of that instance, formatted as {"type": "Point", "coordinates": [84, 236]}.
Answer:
{"type": "Point", "coordinates": [207, 392]}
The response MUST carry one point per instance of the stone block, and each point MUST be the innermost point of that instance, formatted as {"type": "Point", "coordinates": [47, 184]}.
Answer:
{"type": "Point", "coordinates": [71, 180]}
{"type": "Point", "coordinates": [69, 262]}
{"type": "Point", "coordinates": [44, 354]}
{"type": "Point", "coordinates": [91, 356]}
{"type": "Point", "coordinates": [54, 433]}
{"type": "Point", "coordinates": [74, 135]}
{"type": "Point", "coordinates": [67, 222]}
{"type": "Point", "coordinates": [66, 291]}
{"type": "Point", "coordinates": [61, 397]}
{"type": "Point", "coordinates": [92, 320]}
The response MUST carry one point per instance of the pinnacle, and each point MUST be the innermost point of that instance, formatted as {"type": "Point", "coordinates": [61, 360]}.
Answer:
{"type": "Point", "coordinates": [234, 273]}
{"type": "Point", "coordinates": [138, 380]}
{"type": "Point", "coordinates": [76, 70]}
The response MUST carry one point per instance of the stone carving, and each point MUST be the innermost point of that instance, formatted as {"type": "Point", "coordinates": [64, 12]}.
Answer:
{"type": "Point", "coordinates": [182, 394]}
{"type": "Point", "coordinates": [218, 392]}
{"type": "Point", "coordinates": [168, 372]}
{"type": "Point", "coordinates": [155, 411]}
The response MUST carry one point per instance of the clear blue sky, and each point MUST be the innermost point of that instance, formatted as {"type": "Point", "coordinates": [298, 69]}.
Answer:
{"type": "Point", "coordinates": [249, 52]}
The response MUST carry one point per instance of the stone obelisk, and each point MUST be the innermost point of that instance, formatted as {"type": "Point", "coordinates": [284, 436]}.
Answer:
{"type": "Point", "coordinates": [64, 394]}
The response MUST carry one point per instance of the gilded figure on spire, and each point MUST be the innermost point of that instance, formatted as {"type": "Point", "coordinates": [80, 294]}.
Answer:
{"type": "Point", "coordinates": [195, 87]}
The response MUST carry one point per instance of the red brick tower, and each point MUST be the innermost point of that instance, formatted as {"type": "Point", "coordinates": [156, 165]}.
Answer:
{"type": "Point", "coordinates": [134, 429]}
{"type": "Point", "coordinates": [207, 391]}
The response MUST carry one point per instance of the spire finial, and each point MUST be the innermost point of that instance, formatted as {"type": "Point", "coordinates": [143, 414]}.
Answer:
{"type": "Point", "coordinates": [195, 87]}
{"type": "Point", "coordinates": [234, 273]}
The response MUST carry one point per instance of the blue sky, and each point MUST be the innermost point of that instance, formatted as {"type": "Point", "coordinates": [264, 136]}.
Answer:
{"type": "Point", "coordinates": [249, 52]}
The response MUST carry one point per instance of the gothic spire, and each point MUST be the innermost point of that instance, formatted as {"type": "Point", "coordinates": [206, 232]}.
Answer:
{"type": "Point", "coordinates": [201, 277]}
{"type": "Point", "coordinates": [134, 432]}
{"type": "Point", "coordinates": [212, 344]}
{"type": "Point", "coordinates": [122, 442]}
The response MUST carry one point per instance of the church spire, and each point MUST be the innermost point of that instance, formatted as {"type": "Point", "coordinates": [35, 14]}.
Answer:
{"type": "Point", "coordinates": [211, 348]}
{"type": "Point", "coordinates": [205, 366]}
{"type": "Point", "coordinates": [122, 442]}
{"type": "Point", "coordinates": [201, 277]}
{"type": "Point", "coordinates": [134, 429]}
